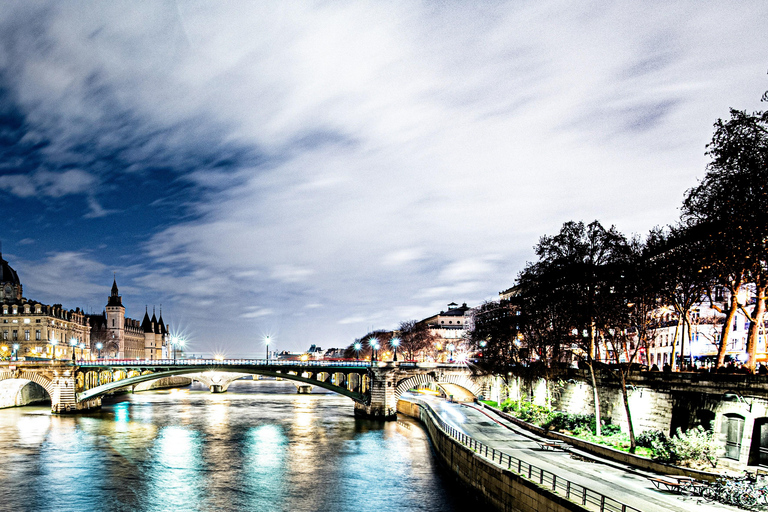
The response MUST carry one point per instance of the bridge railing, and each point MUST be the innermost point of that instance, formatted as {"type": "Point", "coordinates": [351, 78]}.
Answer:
{"type": "Point", "coordinates": [572, 491]}
{"type": "Point", "coordinates": [219, 362]}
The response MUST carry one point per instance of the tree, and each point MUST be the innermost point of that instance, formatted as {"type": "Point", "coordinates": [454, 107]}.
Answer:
{"type": "Point", "coordinates": [732, 201]}
{"type": "Point", "coordinates": [676, 262]}
{"type": "Point", "coordinates": [568, 291]}
{"type": "Point", "coordinates": [415, 338]}
{"type": "Point", "coordinates": [494, 332]}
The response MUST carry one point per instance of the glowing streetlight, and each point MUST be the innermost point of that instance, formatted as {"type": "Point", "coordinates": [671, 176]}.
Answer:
{"type": "Point", "coordinates": [395, 342]}
{"type": "Point", "coordinates": [176, 342]}
{"type": "Point", "coordinates": [375, 346]}
{"type": "Point", "coordinates": [82, 348]}
{"type": "Point", "coordinates": [73, 344]}
{"type": "Point", "coordinates": [54, 342]}
{"type": "Point", "coordinates": [450, 348]}
{"type": "Point", "coordinates": [266, 342]}
{"type": "Point", "coordinates": [358, 346]}
{"type": "Point", "coordinates": [99, 346]}
{"type": "Point", "coordinates": [15, 351]}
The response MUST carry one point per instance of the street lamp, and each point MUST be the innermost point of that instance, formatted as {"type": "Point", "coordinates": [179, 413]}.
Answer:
{"type": "Point", "coordinates": [482, 349]}
{"type": "Point", "coordinates": [266, 342]}
{"type": "Point", "coordinates": [358, 346]}
{"type": "Point", "coordinates": [99, 346]}
{"type": "Point", "coordinates": [450, 348]}
{"type": "Point", "coordinates": [73, 344]}
{"type": "Point", "coordinates": [54, 341]}
{"type": "Point", "coordinates": [375, 346]}
{"type": "Point", "coordinates": [15, 351]}
{"type": "Point", "coordinates": [176, 342]}
{"type": "Point", "coordinates": [82, 349]}
{"type": "Point", "coordinates": [395, 342]}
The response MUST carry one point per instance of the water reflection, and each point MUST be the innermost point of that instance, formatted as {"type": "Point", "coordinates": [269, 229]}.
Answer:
{"type": "Point", "coordinates": [258, 447]}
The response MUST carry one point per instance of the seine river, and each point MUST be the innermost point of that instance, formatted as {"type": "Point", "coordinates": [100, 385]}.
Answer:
{"type": "Point", "coordinates": [260, 447]}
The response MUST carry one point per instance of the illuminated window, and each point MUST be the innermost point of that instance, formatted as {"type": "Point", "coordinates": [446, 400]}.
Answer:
{"type": "Point", "coordinates": [37, 335]}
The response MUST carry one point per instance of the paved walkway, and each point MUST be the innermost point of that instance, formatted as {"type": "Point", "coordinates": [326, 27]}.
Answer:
{"type": "Point", "coordinates": [618, 481]}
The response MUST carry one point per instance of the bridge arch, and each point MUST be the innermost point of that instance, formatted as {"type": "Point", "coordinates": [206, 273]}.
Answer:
{"type": "Point", "coordinates": [461, 381]}
{"type": "Point", "coordinates": [140, 377]}
{"type": "Point", "coordinates": [35, 377]}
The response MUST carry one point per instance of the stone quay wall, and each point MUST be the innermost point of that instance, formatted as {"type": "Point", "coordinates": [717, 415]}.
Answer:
{"type": "Point", "coordinates": [661, 401]}
{"type": "Point", "coordinates": [503, 489]}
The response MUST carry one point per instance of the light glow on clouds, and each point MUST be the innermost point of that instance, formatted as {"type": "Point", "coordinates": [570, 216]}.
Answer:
{"type": "Point", "coordinates": [382, 160]}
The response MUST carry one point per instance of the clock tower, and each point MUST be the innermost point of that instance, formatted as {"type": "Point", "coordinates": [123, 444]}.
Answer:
{"type": "Point", "coordinates": [115, 315]}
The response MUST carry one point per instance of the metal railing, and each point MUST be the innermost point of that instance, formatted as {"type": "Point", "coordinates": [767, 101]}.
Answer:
{"type": "Point", "coordinates": [572, 491]}
{"type": "Point", "coordinates": [219, 362]}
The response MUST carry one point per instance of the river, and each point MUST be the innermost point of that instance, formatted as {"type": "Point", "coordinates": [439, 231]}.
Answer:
{"type": "Point", "coordinates": [258, 447]}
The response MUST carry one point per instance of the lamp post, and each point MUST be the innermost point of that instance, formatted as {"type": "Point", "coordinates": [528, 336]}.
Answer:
{"type": "Point", "coordinates": [395, 342]}
{"type": "Point", "coordinates": [357, 346]}
{"type": "Point", "coordinates": [450, 348]}
{"type": "Point", "coordinates": [82, 350]}
{"type": "Point", "coordinates": [73, 344]}
{"type": "Point", "coordinates": [15, 351]}
{"type": "Point", "coordinates": [482, 349]}
{"type": "Point", "coordinates": [266, 342]}
{"type": "Point", "coordinates": [375, 346]}
{"type": "Point", "coordinates": [54, 342]}
{"type": "Point", "coordinates": [99, 346]}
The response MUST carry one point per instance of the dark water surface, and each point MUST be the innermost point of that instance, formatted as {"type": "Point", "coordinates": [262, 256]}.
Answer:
{"type": "Point", "coordinates": [260, 446]}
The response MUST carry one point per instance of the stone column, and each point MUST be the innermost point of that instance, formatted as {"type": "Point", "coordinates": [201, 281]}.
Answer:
{"type": "Point", "coordinates": [383, 404]}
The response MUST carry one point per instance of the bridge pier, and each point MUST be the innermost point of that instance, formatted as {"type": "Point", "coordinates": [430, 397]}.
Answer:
{"type": "Point", "coordinates": [63, 399]}
{"type": "Point", "coordinates": [303, 389]}
{"type": "Point", "coordinates": [383, 403]}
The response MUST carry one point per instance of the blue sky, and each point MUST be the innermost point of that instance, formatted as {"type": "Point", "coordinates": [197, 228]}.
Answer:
{"type": "Point", "coordinates": [313, 170]}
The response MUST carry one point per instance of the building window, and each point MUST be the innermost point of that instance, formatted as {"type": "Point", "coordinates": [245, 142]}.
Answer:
{"type": "Point", "coordinates": [5, 335]}
{"type": "Point", "coordinates": [26, 335]}
{"type": "Point", "coordinates": [37, 335]}
{"type": "Point", "coordinates": [15, 335]}
{"type": "Point", "coordinates": [113, 322]}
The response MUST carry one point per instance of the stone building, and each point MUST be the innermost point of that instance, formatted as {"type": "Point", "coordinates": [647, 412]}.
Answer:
{"type": "Point", "coordinates": [125, 338]}
{"type": "Point", "coordinates": [30, 329]}
{"type": "Point", "coordinates": [449, 329]}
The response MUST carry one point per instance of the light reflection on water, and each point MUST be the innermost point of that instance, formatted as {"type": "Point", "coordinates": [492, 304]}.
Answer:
{"type": "Point", "coordinates": [258, 447]}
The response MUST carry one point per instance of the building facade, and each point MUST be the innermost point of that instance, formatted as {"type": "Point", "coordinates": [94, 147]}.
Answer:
{"type": "Point", "coordinates": [121, 337]}
{"type": "Point", "coordinates": [30, 329]}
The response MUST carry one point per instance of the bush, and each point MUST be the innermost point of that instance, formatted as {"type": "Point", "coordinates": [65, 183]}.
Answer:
{"type": "Point", "coordinates": [575, 423]}
{"type": "Point", "coordinates": [695, 445]}
{"type": "Point", "coordinates": [659, 444]}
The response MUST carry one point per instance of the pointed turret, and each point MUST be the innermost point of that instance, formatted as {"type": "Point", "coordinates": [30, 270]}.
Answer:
{"type": "Point", "coordinates": [154, 321]}
{"type": "Point", "coordinates": [161, 323]}
{"type": "Point", "coordinates": [114, 297]}
{"type": "Point", "coordinates": [146, 324]}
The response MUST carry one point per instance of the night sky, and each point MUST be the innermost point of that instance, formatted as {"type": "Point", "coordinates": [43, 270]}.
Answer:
{"type": "Point", "coordinates": [312, 171]}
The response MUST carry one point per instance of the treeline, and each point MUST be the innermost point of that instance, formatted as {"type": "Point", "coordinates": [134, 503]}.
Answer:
{"type": "Point", "coordinates": [597, 293]}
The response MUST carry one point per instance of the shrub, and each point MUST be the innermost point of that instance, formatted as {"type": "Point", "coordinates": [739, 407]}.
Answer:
{"type": "Point", "coordinates": [571, 422]}
{"type": "Point", "coordinates": [695, 445]}
{"type": "Point", "coordinates": [659, 444]}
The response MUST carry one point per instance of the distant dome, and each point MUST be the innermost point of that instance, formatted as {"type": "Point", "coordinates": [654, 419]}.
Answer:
{"type": "Point", "coordinates": [7, 274]}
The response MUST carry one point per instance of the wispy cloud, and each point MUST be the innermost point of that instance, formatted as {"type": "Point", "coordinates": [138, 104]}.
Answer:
{"type": "Point", "coordinates": [380, 160]}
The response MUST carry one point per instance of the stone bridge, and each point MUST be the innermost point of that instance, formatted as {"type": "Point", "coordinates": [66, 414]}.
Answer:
{"type": "Point", "coordinates": [373, 386]}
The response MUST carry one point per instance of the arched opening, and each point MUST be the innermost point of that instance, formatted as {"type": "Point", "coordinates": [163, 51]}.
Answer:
{"type": "Point", "coordinates": [20, 392]}
{"type": "Point", "coordinates": [758, 453]}
{"type": "Point", "coordinates": [733, 429]}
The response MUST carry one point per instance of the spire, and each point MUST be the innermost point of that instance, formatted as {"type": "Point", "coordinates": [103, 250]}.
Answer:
{"type": "Point", "coordinates": [114, 298]}
{"type": "Point", "coordinates": [154, 321]}
{"type": "Point", "coordinates": [146, 323]}
{"type": "Point", "coordinates": [161, 323]}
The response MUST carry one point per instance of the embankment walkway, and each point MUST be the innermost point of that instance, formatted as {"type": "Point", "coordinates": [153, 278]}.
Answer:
{"type": "Point", "coordinates": [620, 482]}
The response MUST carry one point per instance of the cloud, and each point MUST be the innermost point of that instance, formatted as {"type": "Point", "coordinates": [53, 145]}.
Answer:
{"type": "Point", "coordinates": [379, 160]}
